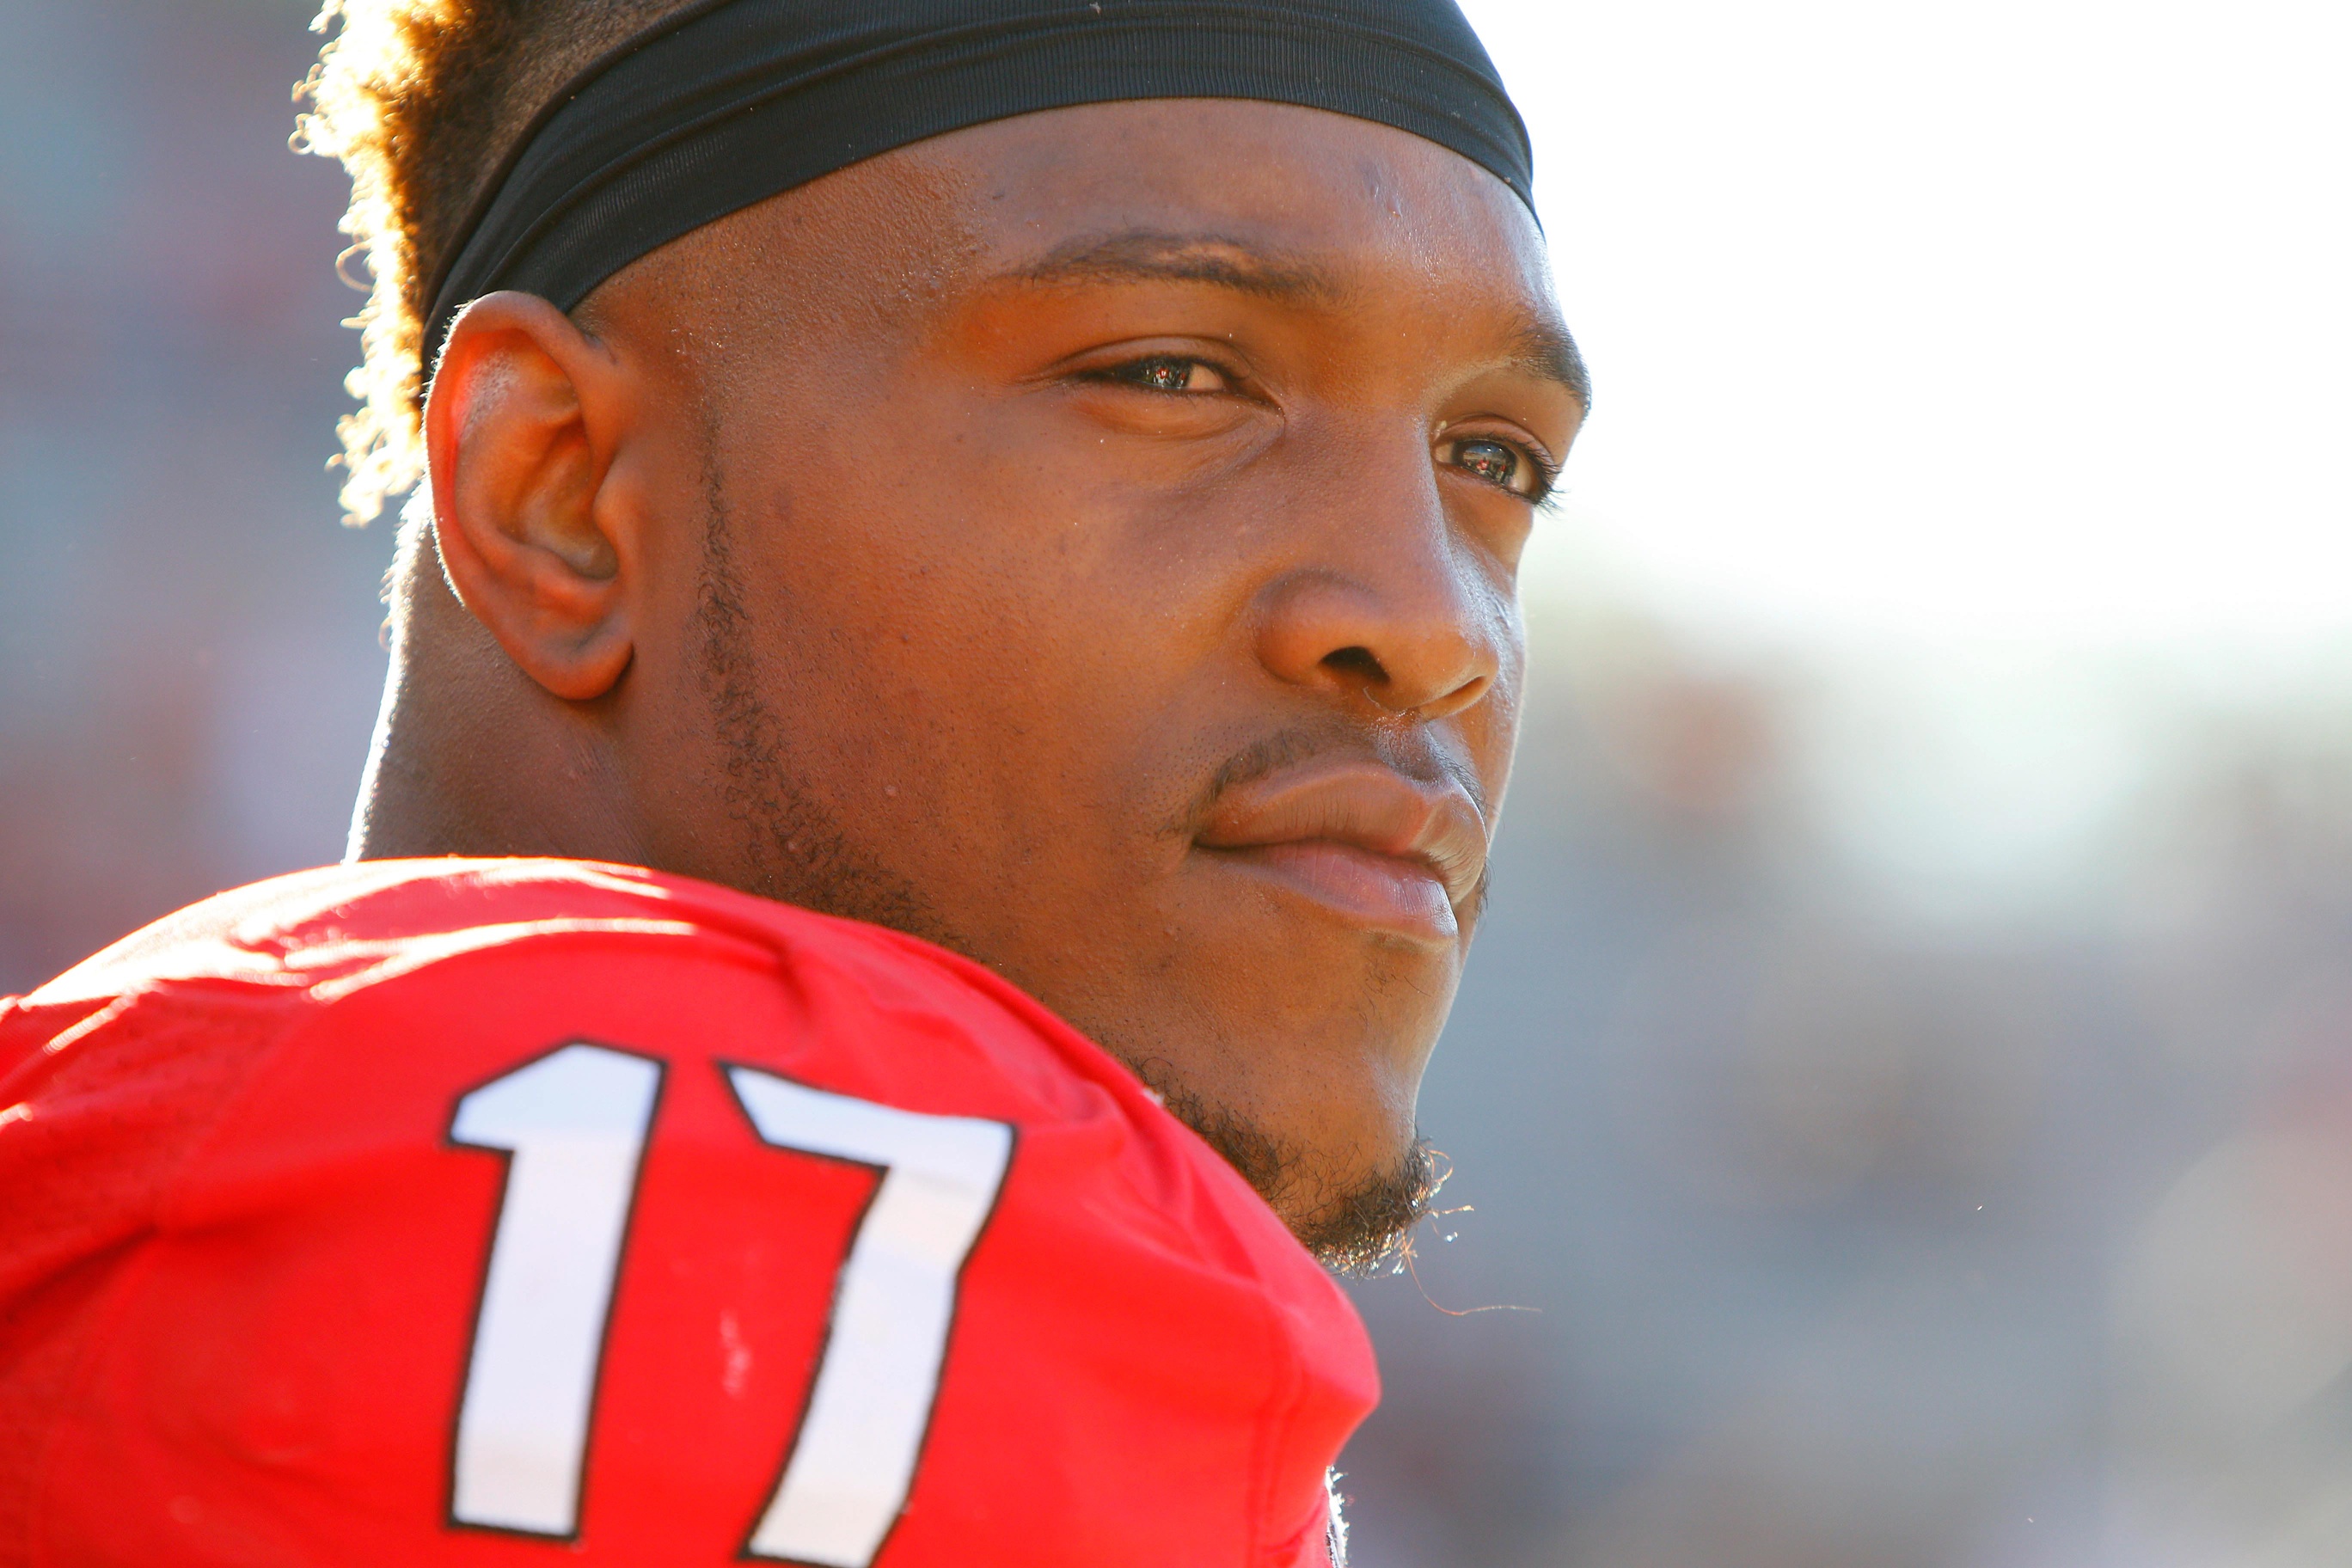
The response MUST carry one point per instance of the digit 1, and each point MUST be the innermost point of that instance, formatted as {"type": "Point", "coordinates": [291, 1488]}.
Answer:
{"type": "Point", "coordinates": [573, 1124]}
{"type": "Point", "coordinates": [853, 1461]}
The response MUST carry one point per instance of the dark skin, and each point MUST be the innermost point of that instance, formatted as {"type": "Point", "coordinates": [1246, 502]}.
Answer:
{"type": "Point", "coordinates": [1088, 540]}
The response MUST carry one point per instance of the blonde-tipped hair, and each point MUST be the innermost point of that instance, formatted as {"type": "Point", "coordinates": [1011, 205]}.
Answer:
{"type": "Point", "coordinates": [419, 100]}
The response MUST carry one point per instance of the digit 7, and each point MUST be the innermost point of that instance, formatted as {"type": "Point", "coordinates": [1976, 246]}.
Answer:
{"type": "Point", "coordinates": [853, 1461]}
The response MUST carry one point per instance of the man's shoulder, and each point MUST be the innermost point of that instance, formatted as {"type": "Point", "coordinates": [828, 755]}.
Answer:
{"type": "Point", "coordinates": [605, 1207]}
{"type": "Point", "coordinates": [544, 935]}
{"type": "Point", "coordinates": [339, 927]}
{"type": "Point", "coordinates": [285, 1024]}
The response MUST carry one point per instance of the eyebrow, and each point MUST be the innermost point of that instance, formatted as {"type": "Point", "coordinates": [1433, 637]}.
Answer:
{"type": "Point", "coordinates": [1148, 256]}
{"type": "Point", "coordinates": [1541, 347]}
{"type": "Point", "coordinates": [1545, 350]}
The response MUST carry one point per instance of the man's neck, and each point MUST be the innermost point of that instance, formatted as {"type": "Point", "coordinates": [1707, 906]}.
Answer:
{"type": "Point", "coordinates": [467, 748]}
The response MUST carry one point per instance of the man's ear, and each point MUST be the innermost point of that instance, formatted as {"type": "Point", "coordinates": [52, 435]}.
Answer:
{"type": "Point", "coordinates": [520, 430]}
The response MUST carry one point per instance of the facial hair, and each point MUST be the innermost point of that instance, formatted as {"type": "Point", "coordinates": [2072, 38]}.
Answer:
{"type": "Point", "coordinates": [798, 853]}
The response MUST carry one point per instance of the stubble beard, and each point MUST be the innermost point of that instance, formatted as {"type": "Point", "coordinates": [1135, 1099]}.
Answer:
{"type": "Point", "coordinates": [1352, 1227]}
{"type": "Point", "coordinates": [797, 853]}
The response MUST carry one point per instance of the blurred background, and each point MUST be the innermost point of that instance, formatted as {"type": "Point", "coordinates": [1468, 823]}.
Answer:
{"type": "Point", "coordinates": [1903, 1097]}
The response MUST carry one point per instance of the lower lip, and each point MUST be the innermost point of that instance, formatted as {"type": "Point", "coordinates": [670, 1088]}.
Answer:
{"type": "Point", "coordinates": [1382, 891]}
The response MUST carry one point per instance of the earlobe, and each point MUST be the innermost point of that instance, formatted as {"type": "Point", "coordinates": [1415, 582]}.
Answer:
{"type": "Point", "coordinates": [521, 428]}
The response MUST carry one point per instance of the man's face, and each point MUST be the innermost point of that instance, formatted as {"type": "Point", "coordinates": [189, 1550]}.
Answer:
{"type": "Point", "coordinates": [1090, 541]}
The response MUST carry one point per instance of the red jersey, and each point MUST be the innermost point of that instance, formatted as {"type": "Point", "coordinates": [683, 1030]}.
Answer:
{"type": "Point", "coordinates": [530, 1212]}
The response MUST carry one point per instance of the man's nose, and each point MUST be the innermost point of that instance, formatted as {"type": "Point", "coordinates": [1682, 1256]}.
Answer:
{"type": "Point", "coordinates": [1384, 604]}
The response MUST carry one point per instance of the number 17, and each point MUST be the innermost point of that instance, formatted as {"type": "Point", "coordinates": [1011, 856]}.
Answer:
{"type": "Point", "coordinates": [574, 1124]}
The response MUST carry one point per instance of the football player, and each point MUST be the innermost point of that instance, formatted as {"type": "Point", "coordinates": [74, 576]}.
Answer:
{"type": "Point", "coordinates": [954, 666]}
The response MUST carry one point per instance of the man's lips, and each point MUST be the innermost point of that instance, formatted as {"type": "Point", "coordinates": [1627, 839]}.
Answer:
{"type": "Point", "coordinates": [1360, 837]}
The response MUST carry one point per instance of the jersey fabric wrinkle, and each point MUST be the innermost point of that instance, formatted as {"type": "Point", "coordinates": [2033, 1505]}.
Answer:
{"type": "Point", "coordinates": [257, 1272]}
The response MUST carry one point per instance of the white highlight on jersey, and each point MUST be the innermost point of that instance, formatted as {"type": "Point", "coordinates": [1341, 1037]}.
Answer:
{"type": "Point", "coordinates": [574, 1123]}
{"type": "Point", "coordinates": [854, 1460]}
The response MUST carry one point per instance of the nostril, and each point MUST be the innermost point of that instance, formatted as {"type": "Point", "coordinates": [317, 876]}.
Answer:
{"type": "Point", "coordinates": [1358, 662]}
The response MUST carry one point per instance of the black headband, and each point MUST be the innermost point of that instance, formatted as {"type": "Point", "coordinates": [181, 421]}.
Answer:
{"type": "Point", "coordinates": [731, 101]}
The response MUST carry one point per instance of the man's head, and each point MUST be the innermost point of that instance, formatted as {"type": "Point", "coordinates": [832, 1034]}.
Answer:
{"type": "Point", "coordinates": [1085, 539]}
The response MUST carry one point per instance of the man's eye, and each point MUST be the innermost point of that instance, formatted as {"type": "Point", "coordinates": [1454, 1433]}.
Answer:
{"type": "Point", "coordinates": [1497, 463]}
{"type": "Point", "coordinates": [1164, 372]}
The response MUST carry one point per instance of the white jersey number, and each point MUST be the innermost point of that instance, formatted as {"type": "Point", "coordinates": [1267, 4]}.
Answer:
{"type": "Point", "coordinates": [573, 1124]}
{"type": "Point", "coordinates": [576, 1123]}
{"type": "Point", "coordinates": [855, 1457]}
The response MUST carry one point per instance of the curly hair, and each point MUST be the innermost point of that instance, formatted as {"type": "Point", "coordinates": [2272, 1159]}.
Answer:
{"type": "Point", "coordinates": [419, 99]}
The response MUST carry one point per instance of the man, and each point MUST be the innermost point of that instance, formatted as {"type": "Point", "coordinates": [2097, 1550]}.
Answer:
{"type": "Point", "coordinates": [959, 630]}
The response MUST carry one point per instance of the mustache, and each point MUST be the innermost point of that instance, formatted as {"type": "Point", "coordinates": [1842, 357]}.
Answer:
{"type": "Point", "coordinates": [1412, 754]}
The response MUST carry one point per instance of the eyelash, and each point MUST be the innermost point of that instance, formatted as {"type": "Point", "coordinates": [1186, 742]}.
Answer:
{"type": "Point", "coordinates": [1130, 373]}
{"type": "Point", "coordinates": [1540, 493]}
